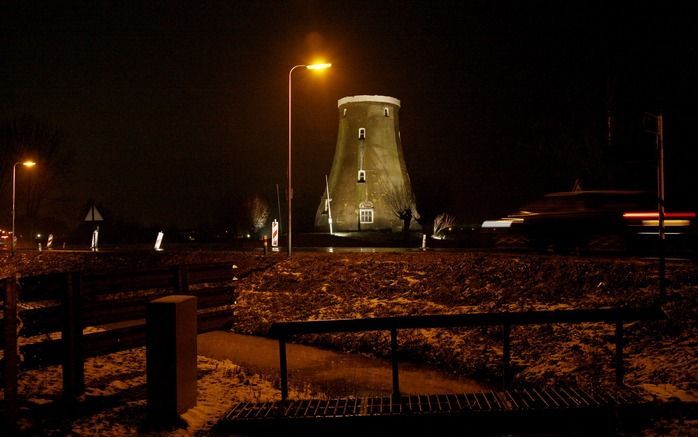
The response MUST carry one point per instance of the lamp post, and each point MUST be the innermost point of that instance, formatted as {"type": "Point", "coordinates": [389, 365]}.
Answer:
{"type": "Point", "coordinates": [290, 186]}
{"type": "Point", "coordinates": [658, 131]}
{"type": "Point", "coordinates": [27, 164]}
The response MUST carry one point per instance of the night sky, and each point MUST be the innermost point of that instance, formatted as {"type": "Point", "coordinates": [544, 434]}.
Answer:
{"type": "Point", "coordinates": [177, 112]}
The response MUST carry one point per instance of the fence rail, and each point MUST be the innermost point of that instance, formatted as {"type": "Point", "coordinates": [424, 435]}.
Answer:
{"type": "Point", "coordinates": [284, 330]}
{"type": "Point", "coordinates": [114, 302]}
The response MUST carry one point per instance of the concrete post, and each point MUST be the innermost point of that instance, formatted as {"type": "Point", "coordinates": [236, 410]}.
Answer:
{"type": "Point", "coordinates": [171, 357]}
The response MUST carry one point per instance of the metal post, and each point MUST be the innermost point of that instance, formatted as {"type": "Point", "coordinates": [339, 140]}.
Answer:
{"type": "Point", "coordinates": [660, 206]}
{"type": "Point", "coordinates": [290, 185]}
{"type": "Point", "coordinates": [283, 370]}
{"type": "Point", "coordinates": [278, 206]}
{"type": "Point", "coordinates": [11, 358]}
{"type": "Point", "coordinates": [329, 207]}
{"type": "Point", "coordinates": [506, 355]}
{"type": "Point", "coordinates": [14, 177]}
{"type": "Point", "coordinates": [393, 356]}
{"type": "Point", "coordinates": [619, 352]}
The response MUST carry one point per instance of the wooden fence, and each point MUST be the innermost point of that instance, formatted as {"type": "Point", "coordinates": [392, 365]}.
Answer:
{"type": "Point", "coordinates": [114, 303]}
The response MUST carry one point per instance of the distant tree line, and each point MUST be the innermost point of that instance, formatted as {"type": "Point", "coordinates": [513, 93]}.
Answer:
{"type": "Point", "coordinates": [39, 192]}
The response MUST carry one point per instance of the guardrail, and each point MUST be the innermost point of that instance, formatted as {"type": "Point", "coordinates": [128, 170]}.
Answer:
{"type": "Point", "coordinates": [283, 330]}
{"type": "Point", "coordinates": [114, 302]}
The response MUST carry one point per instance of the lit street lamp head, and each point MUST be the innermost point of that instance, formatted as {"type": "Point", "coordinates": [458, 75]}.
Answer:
{"type": "Point", "coordinates": [29, 163]}
{"type": "Point", "coordinates": [318, 66]}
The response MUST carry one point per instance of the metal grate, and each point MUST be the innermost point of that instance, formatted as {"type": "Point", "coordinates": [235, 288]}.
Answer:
{"type": "Point", "coordinates": [520, 400]}
{"type": "Point", "coordinates": [297, 409]}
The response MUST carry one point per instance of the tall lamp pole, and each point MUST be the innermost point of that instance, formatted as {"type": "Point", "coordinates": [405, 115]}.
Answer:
{"type": "Point", "coordinates": [290, 186]}
{"type": "Point", "coordinates": [661, 206]}
{"type": "Point", "coordinates": [658, 131]}
{"type": "Point", "coordinates": [27, 164]}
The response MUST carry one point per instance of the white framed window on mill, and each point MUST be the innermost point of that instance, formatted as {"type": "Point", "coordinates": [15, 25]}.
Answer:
{"type": "Point", "coordinates": [366, 215]}
{"type": "Point", "coordinates": [362, 177]}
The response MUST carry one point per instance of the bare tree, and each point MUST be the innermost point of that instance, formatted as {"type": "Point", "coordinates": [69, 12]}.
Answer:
{"type": "Point", "coordinates": [402, 203]}
{"type": "Point", "coordinates": [442, 222]}
{"type": "Point", "coordinates": [27, 137]}
{"type": "Point", "coordinates": [259, 212]}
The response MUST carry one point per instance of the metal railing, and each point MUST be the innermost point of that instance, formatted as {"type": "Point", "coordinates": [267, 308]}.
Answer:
{"type": "Point", "coordinates": [284, 330]}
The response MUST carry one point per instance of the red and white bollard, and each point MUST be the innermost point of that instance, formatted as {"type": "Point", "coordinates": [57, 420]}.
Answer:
{"type": "Point", "coordinates": [275, 236]}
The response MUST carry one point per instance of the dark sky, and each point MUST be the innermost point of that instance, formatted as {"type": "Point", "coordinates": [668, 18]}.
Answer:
{"type": "Point", "coordinates": [176, 111]}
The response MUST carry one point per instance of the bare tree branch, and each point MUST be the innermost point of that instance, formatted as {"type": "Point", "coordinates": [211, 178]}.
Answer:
{"type": "Point", "coordinates": [402, 203]}
{"type": "Point", "coordinates": [442, 222]}
{"type": "Point", "coordinates": [259, 212]}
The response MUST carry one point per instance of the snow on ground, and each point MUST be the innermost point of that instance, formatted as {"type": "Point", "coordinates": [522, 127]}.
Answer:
{"type": "Point", "coordinates": [660, 356]}
{"type": "Point", "coordinates": [114, 403]}
{"type": "Point", "coordinates": [387, 284]}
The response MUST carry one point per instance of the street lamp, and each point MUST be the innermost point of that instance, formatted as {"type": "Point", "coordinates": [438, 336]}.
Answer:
{"type": "Point", "coordinates": [27, 164]}
{"type": "Point", "coordinates": [290, 187]}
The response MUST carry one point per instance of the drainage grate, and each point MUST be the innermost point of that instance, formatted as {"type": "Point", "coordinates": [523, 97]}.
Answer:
{"type": "Point", "coordinates": [297, 409]}
{"type": "Point", "coordinates": [517, 400]}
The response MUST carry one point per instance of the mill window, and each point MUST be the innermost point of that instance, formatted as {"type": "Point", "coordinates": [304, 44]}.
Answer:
{"type": "Point", "coordinates": [362, 133]}
{"type": "Point", "coordinates": [366, 215]}
{"type": "Point", "coordinates": [386, 111]}
{"type": "Point", "coordinates": [362, 177]}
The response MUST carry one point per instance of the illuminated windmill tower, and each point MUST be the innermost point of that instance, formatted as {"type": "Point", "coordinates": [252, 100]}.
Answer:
{"type": "Point", "coordinates": [368, 182]}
